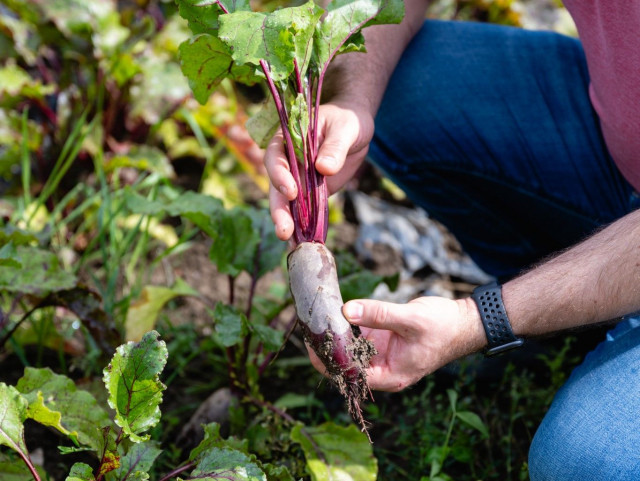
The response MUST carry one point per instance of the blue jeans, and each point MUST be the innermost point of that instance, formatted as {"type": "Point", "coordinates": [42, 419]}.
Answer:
{"type": "Point", "coordinates": [490, 130]}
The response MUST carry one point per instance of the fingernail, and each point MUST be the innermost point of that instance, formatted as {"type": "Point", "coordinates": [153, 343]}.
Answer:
{"type": "Point", "coordinates": [353, 311]}
{"type": "Point", "coordinates": [328, 161]}
{"type": "Point", "coordinates": [283, 190]}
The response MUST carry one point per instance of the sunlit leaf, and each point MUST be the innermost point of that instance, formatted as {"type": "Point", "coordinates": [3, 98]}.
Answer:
{"type": "Point", "coordinates": [19, 33]}
{"type": "Point", "coordinates": [144, 311]}
{"type": "Point", "coordinates": [206, 61]}
{"type": "Point", "coordinates": [13, 412]}
{"type": "Point", "coordinates": [41, 272]}
{"type": "Point", "coordinates": [345, 18]}
{"type": "Point", "coordinates": [159, 90]}
{"type": "Point", "coordinates": [162, 232]}
{"type": "Point", "coordinates": [41, 413]}
{"type": "Point", "coordinates": [13, 79]}
{"type": "Point", "coordinates": [278, 37]}
{"type": "Point", "coordinates": [54, 400]}
{"type": "Point", "coordinates": [75, 16]}
{"type": "Point", "coordinates": [144, 158]}
{"type": "Point", "coordinates": [202, 15]}
{"type": "Point", "coordinates": [336, 452]}
{"type": "Point", "coordinates": [132, 380]}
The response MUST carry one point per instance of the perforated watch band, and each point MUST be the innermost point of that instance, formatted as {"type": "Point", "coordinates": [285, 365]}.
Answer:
{"type": "Point", "coordinates": [496, 324]}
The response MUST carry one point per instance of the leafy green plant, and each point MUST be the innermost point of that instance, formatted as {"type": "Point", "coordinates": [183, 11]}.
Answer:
{"type": "Point", "coordinates": [439, 454]}
{"type": "Point", "coordinates": [123, 448]}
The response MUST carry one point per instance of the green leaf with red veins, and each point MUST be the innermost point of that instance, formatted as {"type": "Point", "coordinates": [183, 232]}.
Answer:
{"type": "Point", "coordinates": [345, 19]}
{"type": "Point", "coordinates": [13, 412]}
{"type": "Point", "coordinates": [278, 38]}
{"type": "Point", "coordinates": [205, 60]}
{"type": "Point", "coordinates": [137, 463]}
{"type": "Point", "coordinates": [202, 15]}
{"type": "Point", "coordinates": [55, 401]}
{"type": "Point", "coordinates": [132, 379]}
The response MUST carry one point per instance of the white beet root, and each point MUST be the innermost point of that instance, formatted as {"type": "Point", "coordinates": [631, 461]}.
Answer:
{"type": "Point", "coordinates": [314, 285]}
{"type": "Point", "coordinates": [313, 281]}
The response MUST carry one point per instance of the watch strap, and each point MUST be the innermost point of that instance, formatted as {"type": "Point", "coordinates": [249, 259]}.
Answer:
{"type": "Point", "coordinates": [495, 321]}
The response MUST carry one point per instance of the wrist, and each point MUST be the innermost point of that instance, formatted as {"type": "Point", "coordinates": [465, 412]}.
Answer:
{"type": "Point", "coordinates": [494, 319]}
{"type": "Point", "coordinates": [472, 335]}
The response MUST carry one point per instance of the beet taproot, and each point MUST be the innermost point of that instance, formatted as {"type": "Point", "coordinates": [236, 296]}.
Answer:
{"type": "Point", "coordinates": [345, 354]}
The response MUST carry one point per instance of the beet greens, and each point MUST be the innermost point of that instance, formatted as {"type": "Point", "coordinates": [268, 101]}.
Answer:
{"type": "Point", "coordinates": [291, 49]}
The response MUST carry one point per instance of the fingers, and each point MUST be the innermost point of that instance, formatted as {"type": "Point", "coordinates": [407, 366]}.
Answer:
{"type": "Point", "coordinates": [339, 135]}
{"type": "Point", "coordinates": [380, 315]}
{"type": "Point", "coordinates": [283, 187]}
{"type": "Point", "coordinates": [280, 214]}
{"type": "Point", "coordinates": [277, 167]}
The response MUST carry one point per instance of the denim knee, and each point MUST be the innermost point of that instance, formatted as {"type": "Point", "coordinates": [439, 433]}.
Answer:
{"type": "Point", "coordinates": [592, 429]}
{"type": "Point", "coordinates": [579, 450]}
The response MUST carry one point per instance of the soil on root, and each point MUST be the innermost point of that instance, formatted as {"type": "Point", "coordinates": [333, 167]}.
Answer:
{"type": "Point", "coordinates": [351, 382]}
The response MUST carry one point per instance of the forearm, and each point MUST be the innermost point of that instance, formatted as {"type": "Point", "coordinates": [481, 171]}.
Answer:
{"type": "Point", "coordinates": [362, 77]}
{"type": "Point", "coordinates": [595, 281]}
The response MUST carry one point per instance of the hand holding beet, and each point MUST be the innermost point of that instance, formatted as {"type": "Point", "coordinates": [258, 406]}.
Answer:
{"type": "Point", "coordinates": [416, 338]}
{"type": "Point", "coordinates": [345, 133]}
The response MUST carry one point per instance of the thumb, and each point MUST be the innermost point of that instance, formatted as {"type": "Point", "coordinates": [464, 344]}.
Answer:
{"type": "Point", "coordinates": [379, 315]}
{"type": "Point", "coordinates": [339, 132]}
{"type": "Point", "coordinates": [331, 155]}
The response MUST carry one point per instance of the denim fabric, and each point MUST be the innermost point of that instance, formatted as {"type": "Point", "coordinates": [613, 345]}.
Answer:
{"type": "Point", "coordinates": [592, 430]}
{"type": "Point", "coordinates": [490, 130]}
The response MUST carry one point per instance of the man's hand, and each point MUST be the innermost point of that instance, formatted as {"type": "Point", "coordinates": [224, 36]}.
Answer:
{"type": "Point", "coordinates": [345, 133]}
{"type": "Point", "coordinates": [414, 339]}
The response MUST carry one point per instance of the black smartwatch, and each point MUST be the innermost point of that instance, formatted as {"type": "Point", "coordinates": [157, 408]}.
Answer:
{"type": "Point", "coordinates": [496, 324]}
